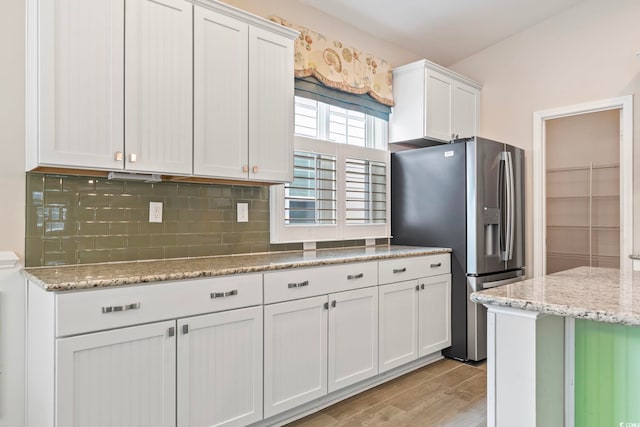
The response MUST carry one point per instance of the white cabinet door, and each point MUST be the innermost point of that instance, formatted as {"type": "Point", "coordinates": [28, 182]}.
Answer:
{"type": "Point", "coordinates": [398, 332]}
{"type": "Point", "coordinates": [353, 337]}
{"type": "Point", "coordinates": [434, 330]}
{"type": "Point", "coordinates": [270, 106]}
{"type": "Point", "coordinates": [123, 377]}
{"type": "Point", "coordinates": [465, 110]}
{"type": "Point", "coordinates": [220, 368]}
{"type": "Point", "coordinates": [80, 76]}
{"type": "Point", "coordinates": [221, 79]}
{"type": "Point", "coordinates": [158, 93]}
{"type": "Point", "coordinates": [439, 101]}
{"type": "Point", "coordinates": [295, 353]}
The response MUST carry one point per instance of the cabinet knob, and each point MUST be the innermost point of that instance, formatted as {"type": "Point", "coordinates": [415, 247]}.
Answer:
{"type": "Point", "coordinates": [417, 287]}
{"type": "Point", "coordinates": [119, 156]}
{"type": "Point", "coordinates": [333, 303]}
{"type": "Point", "coordinates": [326, 306]}
{"type": "Point", "coordinates": [422, 286]}
{"type": "Point", "coordinates": [245, 168]}
{"type": "Point", "coordinates": [185, 329]}
{"type": "Point", "coordinates": [133, 157]}
{"type": "Point", "coordinates": [255, 169]}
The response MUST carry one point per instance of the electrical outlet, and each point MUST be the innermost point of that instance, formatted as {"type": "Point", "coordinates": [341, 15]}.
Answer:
{"type": "Point", "coordinates": [243, 212]}
{"type": "Point", "coordinates": [155, 211]}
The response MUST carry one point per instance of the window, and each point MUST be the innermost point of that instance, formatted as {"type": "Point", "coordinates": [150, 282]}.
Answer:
{"type": "Point", "coordinates": [340, 186]}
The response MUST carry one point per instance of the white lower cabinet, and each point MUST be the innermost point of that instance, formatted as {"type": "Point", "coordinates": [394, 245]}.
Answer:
{"type": "Point", "coordinates": [220, 368]}
{"type": "Point", "coordinates": [122, 377]}
{"type": "Point", "coordinates": [318, 345]}
{"type": "Point", "coordinates": [353, 337]}
{"type": "Point", "coordinates": [415, 319]}
{"type": "Point", "coordinates": [434, 314]}
{"type": "Point", "coordinates": [295, 353]}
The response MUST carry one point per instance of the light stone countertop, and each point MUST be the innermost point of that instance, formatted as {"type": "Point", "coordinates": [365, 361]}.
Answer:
{"type": "Point", "coordinates": [601, 294]}
{"type": "Point", "coordinates": [74, 277]}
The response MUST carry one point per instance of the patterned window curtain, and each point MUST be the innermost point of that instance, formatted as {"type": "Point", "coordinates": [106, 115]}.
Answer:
{"type": "Point", "coordinates": [330, 72]}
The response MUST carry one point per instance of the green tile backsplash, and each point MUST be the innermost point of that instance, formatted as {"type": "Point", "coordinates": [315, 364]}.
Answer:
{"type": "Point", "coordinates": [77, 220]}
{"type": "Point", "coordinates": [80, 219]}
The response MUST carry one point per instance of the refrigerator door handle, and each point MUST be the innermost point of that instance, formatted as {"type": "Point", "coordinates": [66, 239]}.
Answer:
{"type": "Point", "coordinates": [489, 285]}
{"type": "Point", "coordinates": [503, 202]}
{"type": "Point", "coordinates": [511, 212]}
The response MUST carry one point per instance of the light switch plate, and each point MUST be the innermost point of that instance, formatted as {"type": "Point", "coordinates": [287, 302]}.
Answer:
{"type": "Point", "coordinates": [155, 211]}
{"type": "Point", "coordinates": [243, 212]}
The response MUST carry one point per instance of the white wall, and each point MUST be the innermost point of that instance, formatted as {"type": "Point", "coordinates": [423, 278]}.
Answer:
{"type": "Point", "coordinates": [298, 13]}
{"type": "Point", "coordinates": [12, 125]}
{"type": "Point", "coordinates": [584, 54]}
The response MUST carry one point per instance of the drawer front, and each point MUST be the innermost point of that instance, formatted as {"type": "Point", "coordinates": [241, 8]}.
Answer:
{"type": "Point", "coordinates": [400, 269]}
{"type": "Point", "coordinates": [94, 310]}
{"type": "Point", "coordinates": [307, 282]}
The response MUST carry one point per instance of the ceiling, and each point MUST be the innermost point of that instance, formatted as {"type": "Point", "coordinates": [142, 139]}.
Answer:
{"type": "Point", "coordinates": [443, 31]}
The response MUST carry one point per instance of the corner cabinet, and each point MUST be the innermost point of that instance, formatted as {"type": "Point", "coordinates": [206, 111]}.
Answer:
{"type": "Point", "coordinates": [173, 87]}
{"type": "Point", "coordinates": [243, 99]}
{"type": "Point", "coordinates": [432, 103]}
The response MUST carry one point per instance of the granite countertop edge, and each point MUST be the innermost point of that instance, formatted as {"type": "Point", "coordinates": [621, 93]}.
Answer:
{"type": "Point", "coordinates": [77, 277]}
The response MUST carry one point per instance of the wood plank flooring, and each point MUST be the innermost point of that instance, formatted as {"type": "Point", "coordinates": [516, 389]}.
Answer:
{"type": "Point", "coordinates": [445, 393]}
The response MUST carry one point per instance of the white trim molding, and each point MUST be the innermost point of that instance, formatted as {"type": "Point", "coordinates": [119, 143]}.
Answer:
{"type": "Point", "coordinates": [625, 105]}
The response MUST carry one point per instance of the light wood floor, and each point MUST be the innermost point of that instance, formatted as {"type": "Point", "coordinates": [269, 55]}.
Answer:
{"type": "Point", "coordinates": [445, 393]}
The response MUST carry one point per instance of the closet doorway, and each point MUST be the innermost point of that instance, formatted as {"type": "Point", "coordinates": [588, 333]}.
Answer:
{"type": "Point", "coordinates": [582, 186]}
{"type": "Point", "coordinates": [582, 161]}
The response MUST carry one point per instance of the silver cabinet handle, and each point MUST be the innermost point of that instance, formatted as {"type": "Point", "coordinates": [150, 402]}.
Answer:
{"type": "Point", "coordinates": [172, 331]}
{"type": "Point", "coordinates": [399, 270]}
{"type": "Point", "coordinates": [133, 158]}
{"type": "Point", "coordinates": [333, 303]}
{"type": "Point", "coordinates": [245, 168]}
{"type": "Point", "coordinates": [422, 286]}
{"type": "Point", "coordinates": [118, 156]}
{"type": "Point", "coordinates": [255, 169]}
{"type": "Point", "coordinates": [436, 265]}
{"type": "Point", "coordinates": [185, 329]}
{"type": "Point", "coordinates": [326, 306]}
{"type": "Point", "coordinates": [115, 308]}
{"type": "Point", "coordinates": [223, 294]}
{"type": "Point", "coordinates": [355, 276]}
{"type": "Point", "coordinates": [298, 285]}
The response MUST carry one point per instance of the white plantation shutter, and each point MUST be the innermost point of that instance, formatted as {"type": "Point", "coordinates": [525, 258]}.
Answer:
{"type": "Point", "coordinates": [365, 192]}
{"type": "Point", "coordinates": [311, 197]}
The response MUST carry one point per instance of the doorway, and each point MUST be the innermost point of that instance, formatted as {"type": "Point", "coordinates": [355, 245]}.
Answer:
{"type": "Point", "coordinates": [583, 158]}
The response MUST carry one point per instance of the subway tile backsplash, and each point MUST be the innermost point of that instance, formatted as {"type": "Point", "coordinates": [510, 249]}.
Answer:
{"type": "Point", "coordinates": [77, 220]}
{"type": "Point", "coordinates": [80, 219]}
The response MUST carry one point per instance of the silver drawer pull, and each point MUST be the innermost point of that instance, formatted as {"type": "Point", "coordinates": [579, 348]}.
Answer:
{"type": "Point", "coordinates": [298, 285]}
{"type": "Point", "coordinates": [114, 308]}
{"type": "Point", "coordinates": [355, 276]}
{"type": "Point", "coordinates": [223, 294]}
{"type": "Point", "coordinates": [436, 265]}
{"type": "Point", "coordinates": [399, 270]}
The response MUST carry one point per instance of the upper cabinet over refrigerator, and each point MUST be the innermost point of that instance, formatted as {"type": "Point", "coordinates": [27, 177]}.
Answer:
{"type": "Point", "coordinates": [432, 105]}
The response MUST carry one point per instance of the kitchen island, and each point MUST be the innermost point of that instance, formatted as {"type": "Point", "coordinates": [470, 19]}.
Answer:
{"type": "Point", "coordinates": [563, 349]}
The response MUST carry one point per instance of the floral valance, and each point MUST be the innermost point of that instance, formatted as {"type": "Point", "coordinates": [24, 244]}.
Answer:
{"type": "Point", "coordinates": [340, 67]}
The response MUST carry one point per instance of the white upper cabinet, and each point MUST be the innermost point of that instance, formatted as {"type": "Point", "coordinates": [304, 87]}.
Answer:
{"type": "Point", "coordinates": [270, 106]}
{"type": "Point", "coordinates": [173, 87]}
{"type": "Point", "coordinates": [76, 63]}
{"type": "Point", "coordinates": [432, 104]}
{"type": "Point", "coordinates": [158, 91]}
{"type": "Point", "coordinates": [243, 103]}
{"type": "Point", "coordinates": [221, 76]}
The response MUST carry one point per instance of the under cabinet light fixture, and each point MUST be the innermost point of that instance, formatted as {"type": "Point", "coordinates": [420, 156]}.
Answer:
{"type": "Point", "coordinates": [129, 176]}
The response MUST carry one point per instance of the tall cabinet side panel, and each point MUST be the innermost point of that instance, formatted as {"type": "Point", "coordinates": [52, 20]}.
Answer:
{"type": "Point", "coordinates": [428, 208]}
{"type": "Point", "coordinates": [40, 354]}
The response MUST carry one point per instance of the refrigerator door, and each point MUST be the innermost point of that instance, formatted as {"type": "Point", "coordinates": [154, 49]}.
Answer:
{"type": "Point", "coordinates": [486, 206]}
{"type": "Point", "coordinates": [516, 253]}
{"type": "Point", "coordinates": [477, 313]}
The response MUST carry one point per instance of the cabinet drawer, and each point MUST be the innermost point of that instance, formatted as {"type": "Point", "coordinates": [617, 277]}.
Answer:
{"type": "Point", "coordinates": [307, 282]}
{"type": "Point", "coordinates": [93, 310]}
{"type": "Point", "coordinates": [400, 269]}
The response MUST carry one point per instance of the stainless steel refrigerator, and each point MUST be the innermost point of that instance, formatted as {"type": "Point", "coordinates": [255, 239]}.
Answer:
{"type": "Point", "coordinates": [469, 196]}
